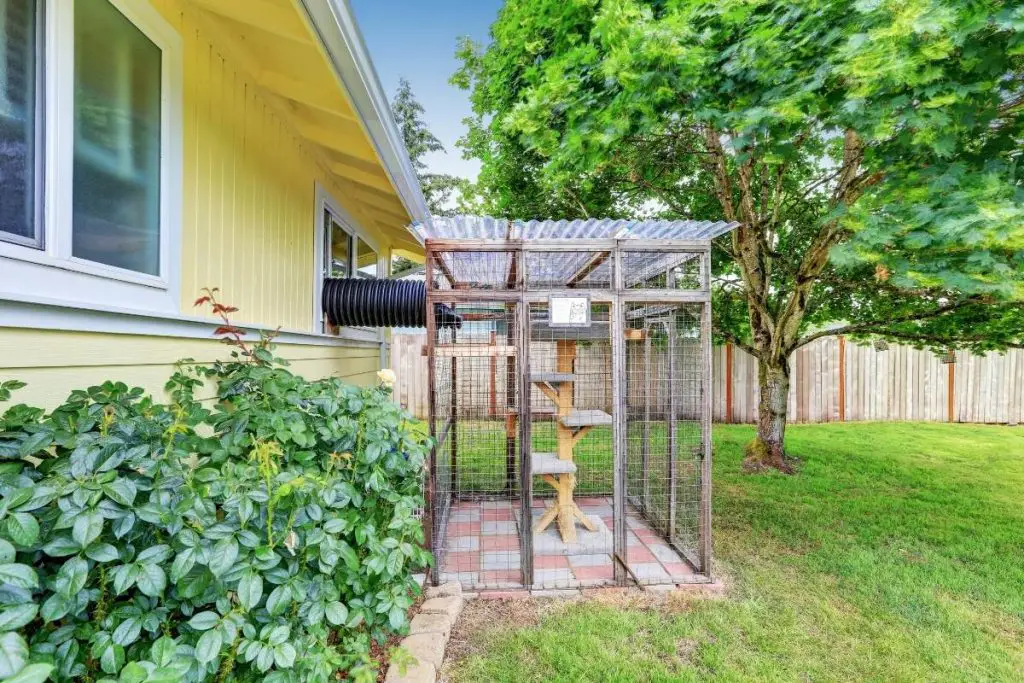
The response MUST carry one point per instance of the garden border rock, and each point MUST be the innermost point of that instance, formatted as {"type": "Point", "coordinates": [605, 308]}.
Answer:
{"type": "Point", "coordinates": [429, 632]}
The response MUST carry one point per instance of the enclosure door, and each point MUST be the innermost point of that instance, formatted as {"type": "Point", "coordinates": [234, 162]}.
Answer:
{"type": "Point", "coordinates": [665, 418]}
{"type": "Point", "coordinates": [571, 439]}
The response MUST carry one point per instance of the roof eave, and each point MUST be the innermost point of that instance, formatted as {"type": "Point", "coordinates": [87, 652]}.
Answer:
{"type": "Point", "coordinates": [341, 39]}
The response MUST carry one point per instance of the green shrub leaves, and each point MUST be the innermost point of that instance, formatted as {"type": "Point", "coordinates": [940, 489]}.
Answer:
{"type": "Point", "coordinates": [270, 535]}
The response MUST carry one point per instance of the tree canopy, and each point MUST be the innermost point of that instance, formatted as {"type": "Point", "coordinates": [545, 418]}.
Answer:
{"type": "Point", "coordinates": [869, 149]}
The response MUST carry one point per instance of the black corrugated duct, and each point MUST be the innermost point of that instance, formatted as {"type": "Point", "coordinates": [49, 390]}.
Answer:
{"type": "Point", "coordinates": [382, 303]}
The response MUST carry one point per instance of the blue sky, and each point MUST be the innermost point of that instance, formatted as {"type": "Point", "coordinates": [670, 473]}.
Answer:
{"type": "Point", "coordinates": [415, 39]}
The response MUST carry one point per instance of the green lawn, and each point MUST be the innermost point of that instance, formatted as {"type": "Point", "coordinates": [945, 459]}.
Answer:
{"type": "Point", "coordinates": [897, 553]}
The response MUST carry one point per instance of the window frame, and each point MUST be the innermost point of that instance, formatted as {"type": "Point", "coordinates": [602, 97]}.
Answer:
{"type": "Point", "coordinates": [326, 203]}
{"type": "Point", "coordinates": [50, 270]}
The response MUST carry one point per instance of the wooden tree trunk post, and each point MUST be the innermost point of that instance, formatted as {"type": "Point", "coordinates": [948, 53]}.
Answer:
{"type": "Point", "coordinates": [767, 449]}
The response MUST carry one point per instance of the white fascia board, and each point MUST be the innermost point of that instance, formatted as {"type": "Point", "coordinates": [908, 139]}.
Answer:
{"type": "Point", "coordinates": [336, 28]}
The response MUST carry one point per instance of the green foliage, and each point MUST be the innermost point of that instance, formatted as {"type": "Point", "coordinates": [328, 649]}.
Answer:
{"type": "Point", "coordinates": [869, 150]}
{"type": "Point", "coordinates": [439, 189]}
{"type": "Point", "coordinates": [269, 535]}
{"type": "Point", "coordinates": [741, 110]}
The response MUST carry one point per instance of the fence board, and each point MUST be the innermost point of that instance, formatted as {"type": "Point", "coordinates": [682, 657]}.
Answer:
{"type": "Point", "coordinates": [900, 383]}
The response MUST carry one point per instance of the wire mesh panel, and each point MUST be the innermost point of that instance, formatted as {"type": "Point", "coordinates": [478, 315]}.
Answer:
{"type": "Point", "coordinates": [661, 270]}
{"type": "Point", "coordinates": [477, 387]}
{"type": "Point", "coordinates": [569, 400]}
{"type": "Point", "coordinates": [664, 443]}
{"type": "Point", "coordinates": [572, 444]}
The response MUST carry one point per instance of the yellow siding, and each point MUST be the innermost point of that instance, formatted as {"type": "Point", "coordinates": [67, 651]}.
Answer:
{"type": "Point", "coordinates": [55, 362]}
{"type": "Point", "coordinates": [248, 209]}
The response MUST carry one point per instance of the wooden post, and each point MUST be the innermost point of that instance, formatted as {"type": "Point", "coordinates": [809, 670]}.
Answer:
{"type": "Point", "coordinates": [493, 388]}
{"type": "Point", "coordinates": [512, 321]}
{"type": "Point", "coordinates": [842, 378]}
{"type": "Point", "coordinates": [728, 383]}
{"type": "Point", "coordinates": [645, 444]}
{"type": "Point", "coordinates": [619, 545]}
{"type": "Point", "coordinates": [673, 403]}
{"type": "Point", "coordinates": [430, 512]}
{"type": "Point", "coordinates": [525, 444]}
{"type": "Point", "coordinates": [453, 432]}
{"type": "Point", "coordinates": [704, 550]}
{"type": "Point", "coordinates": [951, 392]}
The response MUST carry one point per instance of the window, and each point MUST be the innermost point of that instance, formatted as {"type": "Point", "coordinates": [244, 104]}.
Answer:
{"type": "Point", "coordinates": [102, 164]}
{"type": "Point", "coordinates": [341, 252]}
{"type": "Point", "coordinates": [20, 167]}
{"type": "Point", "coordinates": [366, 261]}
{"type": "Point", "coordinates": [116, 205]}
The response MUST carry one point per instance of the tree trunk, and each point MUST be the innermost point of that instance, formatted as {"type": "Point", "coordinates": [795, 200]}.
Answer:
{"type": "Point", "coordinates": [767, 449]}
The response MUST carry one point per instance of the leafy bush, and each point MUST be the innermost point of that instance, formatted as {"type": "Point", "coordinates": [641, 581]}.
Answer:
{"type": "Point", "coordinates": [267, 536]}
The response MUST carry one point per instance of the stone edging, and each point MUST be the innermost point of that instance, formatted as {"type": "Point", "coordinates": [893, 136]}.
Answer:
{"type": "Point", "coordinates": [428, 635]}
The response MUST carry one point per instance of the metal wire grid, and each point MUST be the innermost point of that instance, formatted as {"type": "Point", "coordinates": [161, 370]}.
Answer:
{"type": "Point", "coordinates": [480, 542]}
{"type": "Point", "coordinates": [480, 536]}
{"type": "Point", "coordinates": [661, 270]}
{"type": "Point", "coordinates": [664, 443]}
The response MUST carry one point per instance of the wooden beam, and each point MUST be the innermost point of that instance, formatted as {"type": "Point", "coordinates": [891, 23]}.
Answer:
{"type": "Point", "coordinates": [279, 20]}
{"type": "Point", "coordinates": [306, 93]}
{"type": "Point", "coordinates": [842, 378]}
{"type": "Point", "coordinates": [728, 383]}
{"type": "Point", "coordinates": [345, 137]}
{"type": "Point", "coordinates": [589, 267]}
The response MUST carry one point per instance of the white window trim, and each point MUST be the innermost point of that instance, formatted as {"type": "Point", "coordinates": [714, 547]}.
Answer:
{"type": "Point", "coordinates": [325, 201]}
{"type": "Point", "coordinates": [53, 271]}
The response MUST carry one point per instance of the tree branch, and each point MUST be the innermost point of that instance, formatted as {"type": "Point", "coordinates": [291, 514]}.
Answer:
{"type": "Point", "coordinates": [868, 325]}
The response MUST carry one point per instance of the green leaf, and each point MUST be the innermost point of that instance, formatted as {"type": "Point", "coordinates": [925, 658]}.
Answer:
{"type": "Point", "coordinates": [7, 552]}
{"type": "Point", "coordinates": [204, 621]}
{"type": "Point", "coordinates": [101, 552]}
{"type": "Point", "coordinates": [23, 528]}
{"type": "Point", "coordinates": [279, 600]}
{"type": "Point", "coordinates": [87, 528]}
{"type": "Point", "coordinates": [152, 580]}
{"type": "Point", "coordinates": [19, 575]}
{"type": "Point", "coordinates": [154, 554]}
{"type": "Point", "coordinates": [13, 654]}
{"type": "Point", "coordinates": [250, 590]}
{"type": "Point", "coordinates": [72, 577]}
{"type": "Point", "coordinates": [125, 577]}
{"type": "Point", "coordinates": [127, 632]}
{"type": "Point", "coordinates": [133, 672]}
{"type": "Point", "coordinates": [396, 617]}
{"type": "Point", "coordinates": [284, 655]}
{"type": "Point", "coordinates": [164, 651]}
{"type": "Point", "coordinates": [33, 673]}
{"type": "Point", "coordinates": [183, 563]}
{"type": "Point", "coordinates": [112, 659]}
{"type": "Point", "coordinates": [35, 443]}
{"type": "Point", "coordinates": [208, 646]}
{"type": "Point", "coordinates": [336, 613]}
{"type": "Point", "coordinates": [121, 491]}
{"type": "Point", "coordinates": [55, 607]}
{"type": "Point", "coordinates": [61, 546]}
{"type": "Point", "coordinates": [15, 617]}
{"type": "Point", "coordinates": [349, 555]}
{"type": "Point", "coordinates": [223, 556]}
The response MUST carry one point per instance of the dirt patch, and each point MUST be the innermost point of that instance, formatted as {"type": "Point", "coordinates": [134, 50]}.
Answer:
{"type": "Point", "coordinates": [481, 616]}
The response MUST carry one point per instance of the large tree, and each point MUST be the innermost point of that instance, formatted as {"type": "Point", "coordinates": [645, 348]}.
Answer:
{"type": "Point", "coordinates": [440, 190]}
{"type": "Point", "coordinates": [869, 151]}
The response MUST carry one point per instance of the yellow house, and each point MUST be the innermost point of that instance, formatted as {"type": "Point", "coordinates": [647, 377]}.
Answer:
{"type": "Point", "coordinates": [150, 148]}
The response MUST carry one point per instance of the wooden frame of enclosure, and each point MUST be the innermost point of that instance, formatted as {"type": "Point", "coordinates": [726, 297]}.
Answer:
{"type": "Point", "coordinates": [618, 296]}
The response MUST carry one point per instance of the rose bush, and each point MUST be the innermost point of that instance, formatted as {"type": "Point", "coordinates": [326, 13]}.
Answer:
{"type": "Point", "coordinates": [267, 535]}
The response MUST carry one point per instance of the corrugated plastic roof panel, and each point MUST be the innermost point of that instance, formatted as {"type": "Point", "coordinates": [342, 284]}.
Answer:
{"type": "Point", "coordinates": [486, 228]}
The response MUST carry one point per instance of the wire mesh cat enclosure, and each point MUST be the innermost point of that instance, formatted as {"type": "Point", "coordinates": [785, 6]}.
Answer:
{"type": "Point", "coordinates": [570, 405]}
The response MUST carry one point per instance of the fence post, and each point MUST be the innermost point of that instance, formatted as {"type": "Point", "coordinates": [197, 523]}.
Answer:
{"type": "Point", "coordinates": [728, 383]}
{"type": "Point", "coordinates": [842, 378]}
{"type": "Point", "coordinates": [951, 392]}
{"type": "Point", "coordinates": [493, 394]}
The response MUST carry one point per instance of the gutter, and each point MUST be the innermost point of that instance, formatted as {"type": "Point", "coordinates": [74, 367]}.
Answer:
{"type": "Point", "coordinates": [336, 28]}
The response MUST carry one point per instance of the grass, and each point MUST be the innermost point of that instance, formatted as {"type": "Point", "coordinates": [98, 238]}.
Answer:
{"type": "Point", "coordinates": [897, 553]}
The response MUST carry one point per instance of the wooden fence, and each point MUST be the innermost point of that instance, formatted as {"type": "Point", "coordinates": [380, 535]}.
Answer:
{"type": "Point", "coordinates": [833, 380]}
